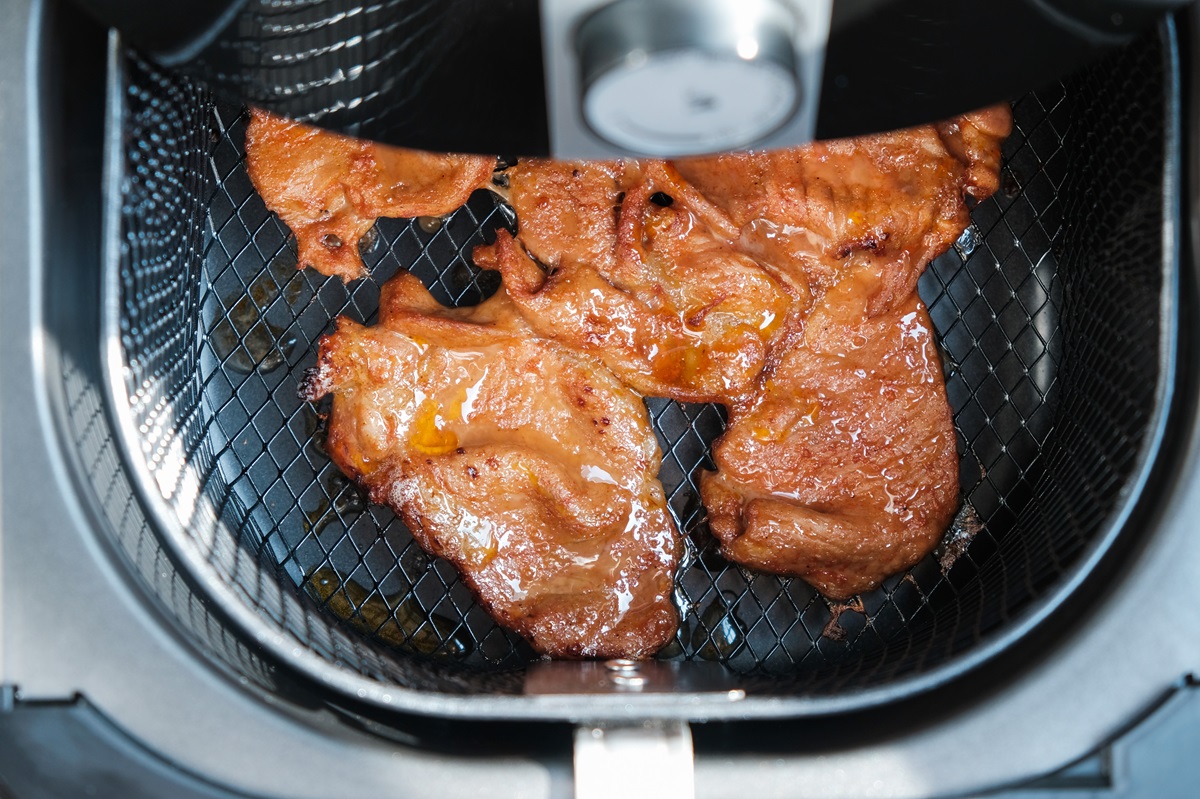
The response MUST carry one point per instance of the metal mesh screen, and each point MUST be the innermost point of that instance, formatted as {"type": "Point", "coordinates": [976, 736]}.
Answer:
{"type": "Point", "coordinates": [93, 440]}
{"type": "Point", "coordinates": [1047, 309]}
{"type": "Point", "coordinates": [383, 68]}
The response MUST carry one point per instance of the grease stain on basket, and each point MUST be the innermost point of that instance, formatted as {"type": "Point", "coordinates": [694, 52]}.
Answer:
{"type": "Point", "coordinates": [345, 499]}
{"type": "Point", "coordinates": [431, 224]}
{"type": "Point", "coordinates": [396, 619]}
{"type": "Point", "coordinates": [315, 429]}
{"type": "Point", "coordinates": [244, 340]}
{"type": "Point", "coordinates": [720, 633]}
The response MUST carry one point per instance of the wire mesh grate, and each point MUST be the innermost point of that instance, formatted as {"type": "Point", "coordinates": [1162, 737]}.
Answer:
{"type": "Point", "coordinates": [1050, 372]}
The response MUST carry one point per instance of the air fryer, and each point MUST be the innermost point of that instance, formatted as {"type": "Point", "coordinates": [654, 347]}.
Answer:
{"type": "Point", "coordinates": [153, 382]}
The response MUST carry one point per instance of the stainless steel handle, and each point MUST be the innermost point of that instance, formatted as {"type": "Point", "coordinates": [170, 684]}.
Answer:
{"type": "Point", "coordinates": [652, 758]}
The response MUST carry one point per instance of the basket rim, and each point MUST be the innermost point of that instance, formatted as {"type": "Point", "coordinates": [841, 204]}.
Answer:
{"type": "Point", "coordinates": [289, 650]}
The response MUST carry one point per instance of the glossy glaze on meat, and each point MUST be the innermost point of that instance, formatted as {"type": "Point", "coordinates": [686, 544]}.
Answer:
{"type": "Point", "coordinates": [527, 465]}
{"type": "Point", "coordinates": [841, 467]}
{"type": "Point", "coordinates": [329, 189]}
{"type": "Point", "coordinates": [842, 470]}
{"type": "Point", "coordinates": [895, 201]}
{"type": "Point", "coordinates": [627, 261]}
{"type": "Point", "coordinates": [781, 284]}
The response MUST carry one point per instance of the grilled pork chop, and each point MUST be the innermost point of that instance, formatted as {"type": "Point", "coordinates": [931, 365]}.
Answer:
{"type": "Point", "coordinates": [815, 214]}
{"type": "Point", "coordinates": [781, 284]}
{"type": "Point", "coordinates": [626, 261]}
{"type": "Point", "coordinates": [841, 467]}
{"type": "Point", "coordinates": [525, 464]}
{"type": "Point", "coordinates": [329, 189]}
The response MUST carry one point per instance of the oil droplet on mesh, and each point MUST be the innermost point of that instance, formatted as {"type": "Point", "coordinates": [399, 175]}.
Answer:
{"type": "Point", "coordinates": [688, 554]}
{"type": "Point", "coordinates": [344, 499]}
{"type": "Point", "coordinates": [509, 215]}
{"type": "Point", "coordinates": [396, 619]}
{"type": "Point", "coordinates": [430, 224]}
{"type": "Point", "coordinates": [720, 632]}
{"type": "Point", "coordinates": [318, 518]}
{"type": "Point", "coordinates": [244, 340]}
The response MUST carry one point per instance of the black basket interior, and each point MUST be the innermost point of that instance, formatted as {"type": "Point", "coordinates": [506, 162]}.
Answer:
{"type": "Point", "coordinates": [1048, 310]}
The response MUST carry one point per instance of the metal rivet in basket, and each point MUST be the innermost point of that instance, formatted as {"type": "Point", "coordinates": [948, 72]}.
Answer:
{"type": "Point", "coordinates": [625, 673]}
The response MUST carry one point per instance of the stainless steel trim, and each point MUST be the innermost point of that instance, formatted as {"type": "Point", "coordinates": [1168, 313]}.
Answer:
{"type": "Point", "coordinates": [571, 137]}
{"type": "Point", "coordinates": [691, 683]}
{"type": "Point", "coordinates": [649, 759]}
{"type": "Point", "coordinates": [675, 77]}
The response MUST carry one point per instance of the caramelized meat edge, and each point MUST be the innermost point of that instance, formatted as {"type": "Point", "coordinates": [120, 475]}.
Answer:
{"type": "Point", "coordinates": [329, 189]}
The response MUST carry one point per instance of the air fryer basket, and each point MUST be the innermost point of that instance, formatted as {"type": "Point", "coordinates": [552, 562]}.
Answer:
{"type": "Point", "coordinates": [1056, 339]}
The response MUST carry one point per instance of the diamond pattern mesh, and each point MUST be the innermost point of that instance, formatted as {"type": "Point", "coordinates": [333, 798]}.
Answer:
{"type": "Point", "coordinates": [382, 68]}
{"type": "Point", "coordinates": [1047, 309]}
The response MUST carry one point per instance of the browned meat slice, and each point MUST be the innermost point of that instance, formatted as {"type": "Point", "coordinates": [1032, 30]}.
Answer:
{"type": "Point", "coordinates": [842, 470]}
{"type": "Point", "coordinates": [894, 200]}
{"type": "Point", "coordinates": [525, 464]}
{"type": "Point", "coordinates": [627, 261]}
{"type": "Point", "coordinates": [975, 139]}
{"type": "Point", "coordinates": [329, 189]}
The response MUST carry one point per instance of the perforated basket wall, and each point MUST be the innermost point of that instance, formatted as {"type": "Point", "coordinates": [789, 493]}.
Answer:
{"type": "Point", "coordinates": [1048, 310]}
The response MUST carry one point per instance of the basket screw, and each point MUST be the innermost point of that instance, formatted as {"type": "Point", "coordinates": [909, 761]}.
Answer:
{"type": "Point", "coordinates": [625, 673]}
